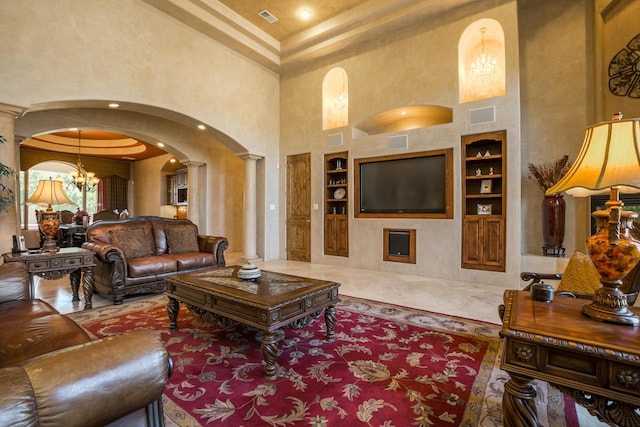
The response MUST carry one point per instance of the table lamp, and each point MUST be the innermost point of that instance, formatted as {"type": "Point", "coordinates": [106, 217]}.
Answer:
{"type": "Point", "coordinates": [609, 160]}
{"type": "Point", "coordinates": [49, 192]}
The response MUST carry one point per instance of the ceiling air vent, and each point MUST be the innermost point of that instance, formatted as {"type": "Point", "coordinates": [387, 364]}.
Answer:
{"type": "Point", "coordinates": [267, 16]}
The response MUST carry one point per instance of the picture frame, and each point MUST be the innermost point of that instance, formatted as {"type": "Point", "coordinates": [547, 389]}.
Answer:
{"type": "Point", "coordinates": [485, 186]}
{"type": "Point", "coordinates": [484, 209]}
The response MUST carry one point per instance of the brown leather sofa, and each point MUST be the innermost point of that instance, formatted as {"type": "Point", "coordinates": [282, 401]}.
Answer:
{"type": "Point", "coordinates": [134, 255]}
{"type": "Point", "coordinates": [52, 374]}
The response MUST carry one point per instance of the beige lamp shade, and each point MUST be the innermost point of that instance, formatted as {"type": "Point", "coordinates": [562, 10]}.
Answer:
{"type": "Point", "coordinates": [48, 193]}
{"type": "Point", "coordinates": [609, 160]}
{"type": "Point", "coordinates": [610, 157]}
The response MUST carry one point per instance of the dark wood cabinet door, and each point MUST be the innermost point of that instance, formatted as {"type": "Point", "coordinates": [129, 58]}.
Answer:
{"type": "Point", "coordinates": [471, 243]}
{"type": "Point", "coordinates": [493, 253]}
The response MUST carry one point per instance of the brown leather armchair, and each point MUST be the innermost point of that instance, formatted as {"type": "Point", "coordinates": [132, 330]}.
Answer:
{"type": "Point", "coordinates": [52, 374]}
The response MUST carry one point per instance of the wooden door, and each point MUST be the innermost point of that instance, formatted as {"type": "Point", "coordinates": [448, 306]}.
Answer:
{"type": "Point", "coordinates": [299, 207]}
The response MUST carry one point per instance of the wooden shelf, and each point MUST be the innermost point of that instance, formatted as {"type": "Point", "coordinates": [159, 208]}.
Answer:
{"type": "Point", "coordinates": [484, 235]}
{"type": "Point", "coordinates": [336, 218]}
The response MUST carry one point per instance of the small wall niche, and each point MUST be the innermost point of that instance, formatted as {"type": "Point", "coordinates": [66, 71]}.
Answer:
{"type": "Point", "coordinates": [399, 245]}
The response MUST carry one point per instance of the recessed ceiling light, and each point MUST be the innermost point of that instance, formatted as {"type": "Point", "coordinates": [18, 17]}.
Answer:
{"type": "Point", "coordinates": [73, 129]}
{"type": "Point", "coordinates": [404, 113]}
{"type": "Point", "coordinates": [172, 160]}
{"type": "Point", "coordinates": [202, 127]}
{"type": "Point", "coordinates": [160, 144]}
{"type": "Point", "coordinates": [114, 105]}
{"type": "Point", "coordinates": [305, 14]}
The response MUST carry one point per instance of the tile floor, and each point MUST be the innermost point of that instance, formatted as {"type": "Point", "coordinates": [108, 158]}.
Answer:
{"type": "Point", "coordinates": [468, 300]}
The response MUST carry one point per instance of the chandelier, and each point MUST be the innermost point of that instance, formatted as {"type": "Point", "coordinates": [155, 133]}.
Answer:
{"type": "Point", "coordinates": [484, 67]}
{"type": "Point", "coordinates": [82, 178]}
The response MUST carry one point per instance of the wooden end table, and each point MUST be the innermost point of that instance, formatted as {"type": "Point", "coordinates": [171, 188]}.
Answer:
{"type": "Point", "coordinates": [269, 303]}
{"type": "Point", "coordinates": [596, 363]}
{"type": "Point", "coordinates": [76, 262]}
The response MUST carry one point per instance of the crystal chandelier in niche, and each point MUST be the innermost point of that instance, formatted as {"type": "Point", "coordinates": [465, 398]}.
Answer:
{"type": "Point", "coordinates": [484, 67]}
{"type": "Point", "coordinates": [82, 178]}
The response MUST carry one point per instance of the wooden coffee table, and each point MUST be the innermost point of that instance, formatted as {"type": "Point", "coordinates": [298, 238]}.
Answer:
{"type": "Point", "coordinates": [269, 303]}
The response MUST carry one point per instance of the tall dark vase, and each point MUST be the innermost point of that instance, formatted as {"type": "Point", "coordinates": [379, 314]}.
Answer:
{"type": "Point", "coordinates": [553, 213]}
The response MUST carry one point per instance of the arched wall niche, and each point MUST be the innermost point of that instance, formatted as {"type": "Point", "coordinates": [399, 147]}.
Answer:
{"type": "Point", "coordinates": [470, 47]}
{"type": "Point", "coordinates": [335, 99]}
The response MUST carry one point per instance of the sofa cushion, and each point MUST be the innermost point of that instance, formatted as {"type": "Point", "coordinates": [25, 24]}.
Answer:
{"type": "Point", "coordinates": [193, 260]}
{"type": "Point", "coordinates": [135, 242]}
{"type": "Point", "coordinates": [22, 340]}
{"type": "Point", "coordinates": [182, 238]}
{"type": "Point", "coordinates": [150, 266]}
{"type": "Point", "coordinates": [24, 310]}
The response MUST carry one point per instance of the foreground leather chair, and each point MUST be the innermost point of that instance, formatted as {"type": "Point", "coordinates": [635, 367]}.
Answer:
{"type": "Point", "coordinates": [52, 374]}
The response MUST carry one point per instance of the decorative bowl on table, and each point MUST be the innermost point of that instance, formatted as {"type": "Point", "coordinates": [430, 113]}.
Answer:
{"type": "Point", "coordinates": [249, 272]}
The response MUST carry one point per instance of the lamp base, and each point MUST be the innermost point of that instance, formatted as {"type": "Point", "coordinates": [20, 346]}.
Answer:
{"type": "Point", "coordinates": [610, 305]}
{"type": "Point", "coordinates": [49, 245]}
{"type": "Point", "coordinates": [49, 225]}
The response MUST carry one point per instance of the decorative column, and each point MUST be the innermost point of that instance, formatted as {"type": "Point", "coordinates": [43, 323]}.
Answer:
{"type": "Point", "coordinates": [10, 157]}
{"type": "Point", "coordinates": [249, 253]}
{"type": "Point", "coordinates": [194, 201]}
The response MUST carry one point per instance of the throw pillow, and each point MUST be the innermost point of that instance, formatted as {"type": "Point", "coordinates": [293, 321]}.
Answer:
{"type": "Point", "coordinates": [580, 275]}
{"type": "Point", "coordinates": [134, 242]}
{"type": "Point", "coordinates": [182, 238]}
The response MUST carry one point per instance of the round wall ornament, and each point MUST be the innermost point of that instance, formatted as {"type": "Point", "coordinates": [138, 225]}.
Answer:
{"type": "Point", "coordinates": [624, 70]}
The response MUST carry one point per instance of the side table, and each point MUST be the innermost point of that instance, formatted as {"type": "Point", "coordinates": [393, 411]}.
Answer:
{"type": "Point", "coordinates": [596, 363]}
{"type": "Point", "coordinates": [76, 262]}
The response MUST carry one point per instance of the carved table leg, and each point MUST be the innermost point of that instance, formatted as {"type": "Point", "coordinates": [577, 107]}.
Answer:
{"type": "Point", "coordinates": [74, 278]}
{"type": "Point", "coordinates": [330, 321]}
{"type": "Point", "coordinates": [269, 351]}
{"type": "Point", "coordinates": [87, 287]}
{"type": "Point", "coordinates": [173, 307]}
{"type": "Point", "coordinates": [518, 404]}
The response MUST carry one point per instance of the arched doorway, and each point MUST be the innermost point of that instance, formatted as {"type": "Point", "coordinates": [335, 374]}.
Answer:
{"type": "Point", "coordinates": [220, 176]}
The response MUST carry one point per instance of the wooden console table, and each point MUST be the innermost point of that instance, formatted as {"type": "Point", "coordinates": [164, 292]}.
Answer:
{"type": "Point", "coordinates": [596, 363]}
{"type": "Point", "coordinates": [268, 303]}
{"type": "Point", "coordinates": [75, 262]}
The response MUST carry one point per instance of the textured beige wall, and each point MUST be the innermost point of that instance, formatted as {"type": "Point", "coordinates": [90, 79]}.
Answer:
{"type": "Point", "coordinates": [417, 69]}
{"type": "Point", "coordinates": [128, 51]}
{"type": "Point", "coordinates": [555, 107]}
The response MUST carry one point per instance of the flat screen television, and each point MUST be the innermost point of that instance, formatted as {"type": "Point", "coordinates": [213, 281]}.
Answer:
{"type": "Point", "coordinates": [406, 185]}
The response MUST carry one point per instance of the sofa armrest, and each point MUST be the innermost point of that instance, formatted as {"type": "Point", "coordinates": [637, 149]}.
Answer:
{"type": "Point", "coordinates": [215, 245]}
{"type": "Point", "coordinates": [14, 282]}
{"type": "Point", "coordinates": [105, 252]}
{"type": "Point", "coordinates": [90, 384]}
{"type": "Point", "coordinates": [109, 254]}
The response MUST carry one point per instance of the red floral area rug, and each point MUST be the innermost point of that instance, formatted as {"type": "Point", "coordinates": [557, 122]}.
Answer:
{"type": "Point", "coordinates": [388, 366]}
